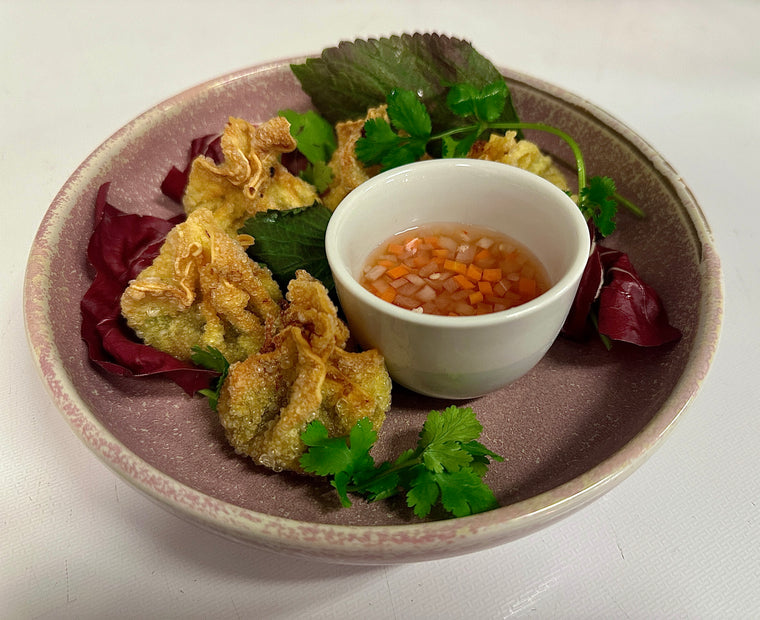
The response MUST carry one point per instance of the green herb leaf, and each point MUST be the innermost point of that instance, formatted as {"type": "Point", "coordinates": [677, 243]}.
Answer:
{"type": "Point", "coordinates": [596, 201]}
{"type": "Point", "coordinates": [319, 174]}
{"type": "Point", "coordinates": [286, 241]}
{"type": "Point", "coordinates": [348, 79]}
{"type": "Point", "coordinates": [211, 359]}
{"type": "Point", "coordinates": [445, 468]}
{"type": "Point", "coordinates": [485, 104]}
{"type": "Point", "coordinates": [315, 139]}
{"type": "Point", "coordinates": [314, 135]}
{"type": "Point", "coordinates": [408, 113]}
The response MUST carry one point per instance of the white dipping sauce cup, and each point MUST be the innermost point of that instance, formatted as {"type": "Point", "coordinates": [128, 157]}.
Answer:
{"type": "Point", "coordinates": [462, 356]}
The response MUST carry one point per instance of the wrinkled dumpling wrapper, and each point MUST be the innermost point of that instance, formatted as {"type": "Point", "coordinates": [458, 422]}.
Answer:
{"type": "Point", "coordinates": [203, 290]}
{"type": "Point", "coordinates": [251, 178]}
{"type": "Point", "coordinates": [348, 172]}
{"type": "Point", "coordinates": [268, 400]}
{"type": "Point", "coordinates": [520, 153]}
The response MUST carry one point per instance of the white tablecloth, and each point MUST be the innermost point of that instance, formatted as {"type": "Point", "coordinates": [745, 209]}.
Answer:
{"type": "Point", "coordinates": [680, 537]}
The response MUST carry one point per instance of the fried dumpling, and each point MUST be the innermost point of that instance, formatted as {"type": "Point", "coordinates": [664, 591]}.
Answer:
{"type": "Point", "coordinates": [520, 153]}
{"type": "Point", "coordinates": [348, 172]}
{"type": "Point", "coordinates": [203, 289]}
{"type": "Point", "coordinates": [268, 400]}
{"type": "Point", "coordinates": [251, 177]}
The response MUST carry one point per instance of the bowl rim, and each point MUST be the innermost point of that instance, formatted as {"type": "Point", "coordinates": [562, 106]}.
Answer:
{"type": "Point", "coordinates": [378, 544]}
{"type": "Point", "coordinates": [347, 210]}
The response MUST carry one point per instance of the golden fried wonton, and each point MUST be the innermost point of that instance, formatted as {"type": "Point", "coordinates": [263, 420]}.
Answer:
{"type": "Point", "coordinates": [203, 289]}
{"type": "Point", "coordinates": [269, 399]}
{"type": "Point", "coordinates": [520, 153]}
{"type": "Point", "coordinates": [348, 172]}
{"type": "Point", "coordinates": [251, 178]}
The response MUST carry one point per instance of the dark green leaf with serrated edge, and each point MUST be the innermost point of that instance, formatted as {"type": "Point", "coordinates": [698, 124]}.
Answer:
{"type": "Point", "coordinates": [286, 241]}
{"type": "Point", "coordinates": [348, 79]}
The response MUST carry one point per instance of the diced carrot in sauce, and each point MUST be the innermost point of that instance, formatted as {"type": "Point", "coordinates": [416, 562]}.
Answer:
{"type": "Point", "coordinates": [492, 275]}
{"type": "Point", "coordinates": [451, 270]}
{"type": "Point", "coordinates": [475, 298]}
{"type": "Point", "coordinates": [485, 287]}
{"type": "Point", "coordinates": [527, 287]}
{"type": "Point", "coordinates": [388, 294]}
{"type": "Point", "coordinates": [455, 266]}
{"type": "Point", "coordinates": [398, 272]}
{"type": "Point", "coordinates": [464, 282]}
{"type": "Point", "coordinates": [474, 272]}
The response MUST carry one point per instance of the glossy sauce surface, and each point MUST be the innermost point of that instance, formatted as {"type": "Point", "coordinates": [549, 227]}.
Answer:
{"type": "Point", "coordinates": [452, 269]}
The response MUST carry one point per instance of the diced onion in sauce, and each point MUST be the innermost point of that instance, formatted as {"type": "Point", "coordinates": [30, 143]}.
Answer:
{"type": "Point", "coordinates": [454, 270]}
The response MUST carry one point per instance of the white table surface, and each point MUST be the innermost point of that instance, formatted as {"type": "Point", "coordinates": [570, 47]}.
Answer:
{"type": "Point", "coordinates": [679, 538]}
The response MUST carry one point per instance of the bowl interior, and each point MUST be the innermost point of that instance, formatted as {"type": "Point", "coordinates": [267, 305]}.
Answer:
{"type": "Point", "coordinates": [578, 421]}
{"type": "Point", "coordinates": [470, 192]}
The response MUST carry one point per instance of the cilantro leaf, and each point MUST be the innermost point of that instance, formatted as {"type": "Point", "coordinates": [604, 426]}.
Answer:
{"type": "Point", "coordinates": [596, 201]}
{"type": "Point", "coordinates": [286, 241]}
{"type": "Point", "coordinates": [423, 493]}
{"type": "Point", "coordinates": [378, 140]}
{"type": "Point", "coordinates": [445, 468]}
{"type": "Point", "coordinates": [212, 359]}
{"type": "Point", "coordinates": [485, 104]}
{"type": "Point", "coordinates": [464, 493]}
{"type": "Point", "coordinates": [453, 424]}
{"type": "Point", "coordinates": [409, 114]}
{"type": "Point", "coordinates": [382, 145]}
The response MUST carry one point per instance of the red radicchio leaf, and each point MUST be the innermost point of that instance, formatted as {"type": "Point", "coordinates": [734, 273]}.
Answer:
{"type": "Point", "coordinates": [577, 325]}
{"type": "Point", "coordinates": [120, 247]}
{"type": "Point", "coordinates": [175, 182]}
{"type": "Point", "coordinates": [629, 309]}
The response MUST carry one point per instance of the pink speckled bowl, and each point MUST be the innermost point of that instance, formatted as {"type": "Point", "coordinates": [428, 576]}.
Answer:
{"type": "Point", "coordinates": [574, 426]}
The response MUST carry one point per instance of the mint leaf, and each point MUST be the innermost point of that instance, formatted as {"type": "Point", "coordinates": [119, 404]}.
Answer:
{"type": "Point", "coordinates": [286, 241]}
{"type": "Point", "coordinates": [314, 135]}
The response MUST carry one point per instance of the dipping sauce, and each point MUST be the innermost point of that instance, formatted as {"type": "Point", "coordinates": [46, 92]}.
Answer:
{"type": "Point", "coordinates": [454, 270]}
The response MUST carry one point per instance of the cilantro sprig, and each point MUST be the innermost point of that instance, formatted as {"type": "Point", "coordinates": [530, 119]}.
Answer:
{"type": "Point", "coordinates": [213, 359]}
{"type": "Point", "coordinates": [408, 136]}
{"type": "Point", "coordinates": [446, 467]}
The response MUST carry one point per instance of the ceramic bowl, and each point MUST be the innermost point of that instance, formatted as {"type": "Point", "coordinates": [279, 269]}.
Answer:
{"type": "Point", "coordinates": [570, 430]}
{"type": "Point", "coordinates": [458, 356]}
